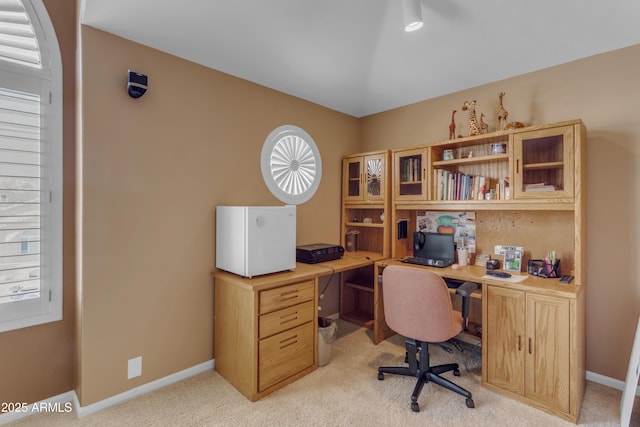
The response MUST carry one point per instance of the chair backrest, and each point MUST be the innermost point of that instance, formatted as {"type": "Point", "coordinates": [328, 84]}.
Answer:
{"type": "Point", "coordinates": [417, 304]}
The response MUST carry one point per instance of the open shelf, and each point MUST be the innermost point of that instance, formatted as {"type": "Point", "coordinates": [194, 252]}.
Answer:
{"type": "Point", "coordinates": [363, 319]}
{"type": "Point", "coordinates": [471, 160]}
{"type": "Point", "coordinates": [365, 224]}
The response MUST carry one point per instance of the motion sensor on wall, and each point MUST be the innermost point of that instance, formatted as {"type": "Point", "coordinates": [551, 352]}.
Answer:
{"type": "Point", "coordinates": [136, 84]}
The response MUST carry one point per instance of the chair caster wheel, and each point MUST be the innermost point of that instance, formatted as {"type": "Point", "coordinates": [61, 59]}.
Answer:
{"type": "Point", "coordinates": [415, 407]}
{"type": "Point", "coordinates": [380, 376]}
{"type": "Point", "coordinates": [470, 403]}
{"type": "Point", "coordinates": [456, 372]}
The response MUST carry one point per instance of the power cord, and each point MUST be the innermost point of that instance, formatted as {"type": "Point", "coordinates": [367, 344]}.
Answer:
{"type": "Point", "coordinates": [333, 271]}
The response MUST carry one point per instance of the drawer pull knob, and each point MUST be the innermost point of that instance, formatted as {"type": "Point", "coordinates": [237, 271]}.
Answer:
{"type": "Point", "coordinates": [288, 342]}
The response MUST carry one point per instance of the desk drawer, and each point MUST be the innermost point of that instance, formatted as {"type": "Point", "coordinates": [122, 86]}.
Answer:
{"type": "Point", "coordinates": [284, 355]}
{"type": "Point", "coordinates": [285, 296]}
{"type": "Point", "coordinates": [287, 318]}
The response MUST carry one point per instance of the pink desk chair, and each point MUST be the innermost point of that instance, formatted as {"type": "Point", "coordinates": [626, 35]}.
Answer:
{"type": "Point", "coordinates": [417, 305]}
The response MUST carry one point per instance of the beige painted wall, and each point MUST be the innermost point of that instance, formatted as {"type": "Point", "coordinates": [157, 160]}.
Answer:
{"type": "Point", "coordinates": [154, 169]}
{"type": "Point", "coordinates": [602, 91]}
{"type": "Point", "coordinates": [37, 362]}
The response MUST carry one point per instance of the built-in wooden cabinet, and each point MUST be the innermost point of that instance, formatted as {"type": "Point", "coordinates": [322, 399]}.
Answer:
{"type": "Point", "coordinates": [366, 202]}
{"type": "Point", "coordinates": [510, 169]}
{"type": "Point", "coordinates": [365, 230]}
{"type": "Point", "coordinates": [365, 177]}
{"type": "Point", "coordinates": [536, 168]}
{"type": "Point", "coordinates": [533, 347]}
{"type": "Point", "coordinates": [525, 187]}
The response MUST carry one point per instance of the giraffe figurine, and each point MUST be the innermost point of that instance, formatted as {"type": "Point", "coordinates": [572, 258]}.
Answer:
{"type": "Point", "coordinates": [484, 128]}
{"type": "Point", "coordinates": [452, 126]}
{"type": "Point", "coordinates": [474, 128]}
{"type": "Point", "coordinates": [502, 113]}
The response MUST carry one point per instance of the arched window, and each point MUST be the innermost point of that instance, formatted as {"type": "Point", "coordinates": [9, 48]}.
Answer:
{"type": "Point", "coordinates": [30, 166]}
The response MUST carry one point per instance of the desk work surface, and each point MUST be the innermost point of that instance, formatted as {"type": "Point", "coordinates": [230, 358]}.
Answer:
{"type": "Point", "coordinates": [350, 261]}
{"type": "Point", "coordinates": [303, 271]}
{"type": "Point", "coordinates": [476, 273]}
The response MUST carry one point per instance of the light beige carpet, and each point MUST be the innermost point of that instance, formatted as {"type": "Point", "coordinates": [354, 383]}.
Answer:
{"type": "Point", "coordinates": [346, 392]}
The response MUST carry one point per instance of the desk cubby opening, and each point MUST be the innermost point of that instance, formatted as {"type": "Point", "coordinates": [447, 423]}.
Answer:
{"type": "Point", "coordinates": [357, 297]}
{"type": "Point", "coordinates": [538, 231]}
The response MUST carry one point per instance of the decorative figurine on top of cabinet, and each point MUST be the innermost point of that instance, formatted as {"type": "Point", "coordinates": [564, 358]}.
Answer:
{"type": "Point", "coordinates": [514, 125]}
{"type": "Point", "coordinates": [502, 113]}
{"type": "Point", "coordinates": [474, 128]}
{"type": "Point", "coordinates": [484, 128]}
{"type": "Point", "coordinates": [452, 126]}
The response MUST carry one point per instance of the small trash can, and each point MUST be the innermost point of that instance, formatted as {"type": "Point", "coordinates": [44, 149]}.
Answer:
{"type": "Point", "coordinates": [327, 333]}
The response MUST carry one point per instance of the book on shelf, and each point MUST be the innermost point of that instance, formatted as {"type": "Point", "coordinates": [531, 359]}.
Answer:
{"type": "Point", "coordinates": [541, 186]}
{"type": "Point", "coordinates": [411, 170]}
{"type": "Point", "coordinates": [449, 185]}
{"type": "Point", "coordinates": [502, 189]}
{"type": "Point", "coordinates": [458, 186]}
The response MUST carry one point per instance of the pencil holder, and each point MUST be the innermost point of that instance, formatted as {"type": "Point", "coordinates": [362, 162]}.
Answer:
{"type": "Point", "coordinates": [542, 268]}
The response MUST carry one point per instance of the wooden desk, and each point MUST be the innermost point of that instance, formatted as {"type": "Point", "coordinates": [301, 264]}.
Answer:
{"type": "Point", "coordinates": [533, 337]}
{"type": "Point", "coordinates": [266, 333]}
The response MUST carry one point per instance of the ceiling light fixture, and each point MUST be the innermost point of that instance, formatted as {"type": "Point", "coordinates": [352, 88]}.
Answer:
{"type": "Point", "coordinates": [412, 15]}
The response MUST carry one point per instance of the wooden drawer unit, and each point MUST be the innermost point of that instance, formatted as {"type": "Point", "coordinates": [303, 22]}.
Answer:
{"type": "Point", "coordinates": [286, 332]}
{"type": "Point", "coordinates": [265, 329]}
{"type": "Point", "coordinates": [285, 354]}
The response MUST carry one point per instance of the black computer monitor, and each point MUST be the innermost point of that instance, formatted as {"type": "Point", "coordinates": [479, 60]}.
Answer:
{"type": "Point", "coordinates": [435, 246]}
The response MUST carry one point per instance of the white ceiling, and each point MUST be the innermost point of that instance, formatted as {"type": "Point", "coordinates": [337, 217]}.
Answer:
{"type": "Point", "coordinates": [353, 56]}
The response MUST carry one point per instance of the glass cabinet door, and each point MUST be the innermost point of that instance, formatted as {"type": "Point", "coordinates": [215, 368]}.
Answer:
{"type": "Point", "coordinates": [410, 180]}
{"type": "Point", "coordinates": [352, 181]}
{"type": "Point", "coordinates": [374, 181]}
{"type": "Point", "coordinates": [544, 163]}
{"type": "Point", "coordinates": [364, 178]}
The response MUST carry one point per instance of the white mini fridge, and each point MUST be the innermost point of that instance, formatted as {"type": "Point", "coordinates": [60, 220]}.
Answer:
{"type": "Point", "coordinates": [255, 240]}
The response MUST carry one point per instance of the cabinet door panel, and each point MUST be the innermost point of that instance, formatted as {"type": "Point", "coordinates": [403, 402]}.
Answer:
{"type": "Point", "coordinates": [410, 174]}
{"type": "Point", "coordinates": [504, 332]}
{"type": "Point", "coordinates": [544, 166]}
{"type": "Point", "coordinates": [547, 358]}
{"type": "Point", "coordinates": [352, 179]}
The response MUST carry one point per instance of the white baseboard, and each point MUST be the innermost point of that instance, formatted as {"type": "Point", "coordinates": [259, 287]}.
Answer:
{"type": "Point", "coordinates": [62, 402]}
{"type": "Point", "coordinates": [83, 411]}
{"type": "Point", "coordinates": [608, 381]}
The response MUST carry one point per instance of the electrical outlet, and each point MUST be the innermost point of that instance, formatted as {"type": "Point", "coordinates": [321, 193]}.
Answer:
{"type": "Point", "coordinates": [135, 367]}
